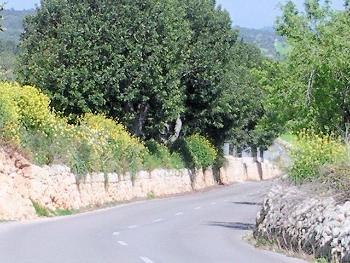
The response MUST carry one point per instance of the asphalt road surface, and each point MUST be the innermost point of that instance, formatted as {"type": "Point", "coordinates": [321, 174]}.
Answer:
{"type": "Point", "coordinates": [195, 228]}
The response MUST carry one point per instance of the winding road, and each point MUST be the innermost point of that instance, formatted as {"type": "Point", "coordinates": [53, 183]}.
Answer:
{"type": "Point", "coordinates": [195, 228]}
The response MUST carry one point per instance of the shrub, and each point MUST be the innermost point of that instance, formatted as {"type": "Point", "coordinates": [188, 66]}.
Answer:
{"type": "Point", "coordinates": [201, 153]}
{"type": "Point", "coordinates": [9, 114]}
{"type": "Point", "coordinates": [313, 151]}
{"type": "Point", "coordinates": [159, 156]}
{"type": "Point", "coordinates": [95, 144]}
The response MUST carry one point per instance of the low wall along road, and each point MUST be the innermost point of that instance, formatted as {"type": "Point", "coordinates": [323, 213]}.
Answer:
{"type": "Point", "coordinates": [55, 187]}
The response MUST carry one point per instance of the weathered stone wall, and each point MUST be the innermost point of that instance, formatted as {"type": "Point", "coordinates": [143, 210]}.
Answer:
{"type": "Point", "coordinates": [55, 187]}
{"type": "Point", "coordinates": [303, 221]}
{"type": "Point", "coordinates": [247, 169]}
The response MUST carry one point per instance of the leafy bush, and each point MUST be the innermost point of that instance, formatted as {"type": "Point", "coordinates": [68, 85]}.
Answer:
{"type": "Point", "coordinates": [160, 156]}
{"type": "Point", "coordinates": [9, 114]}
{"type": "Point", "coordinates": [96, 143]}
{"type": "Point", "coordinates": [313, 151]}
{"type": "Point", "coordinates": [201, 153]}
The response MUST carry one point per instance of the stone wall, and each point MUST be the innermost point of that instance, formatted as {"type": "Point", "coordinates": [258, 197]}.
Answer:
{"type": "Point", "coordinates": [55, 187]}
{"type": "Point", "coordinates": [247, 169]}
{"type": "Point", "coordinates": [300, 220]}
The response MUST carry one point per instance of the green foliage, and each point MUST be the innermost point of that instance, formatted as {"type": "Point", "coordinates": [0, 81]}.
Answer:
{"type": "Point", "coordinates": [41, 210]}
{"type": "Point", "coordinates": [160, 156]}
{"type": "Point", "coordinates": [165, 69]}
{"type": "Point", "coordinates": [312, 152]}
{"type": "Point", "coordinates": [128, 71]}
{"type": "Point", "coordinates": [97, 144]}
{"type": "Point", "coordinates": [314, 79]}
{"type": "Point", "coordinates": [201, 152]}
{"type": "Point", "coordinates": [207, 107]}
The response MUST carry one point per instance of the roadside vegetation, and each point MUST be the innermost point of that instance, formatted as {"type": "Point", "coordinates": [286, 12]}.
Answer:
{"type": "Point", "coordinates": [164, 87]}
{"type": "Point", "coordinates": [167, 87]}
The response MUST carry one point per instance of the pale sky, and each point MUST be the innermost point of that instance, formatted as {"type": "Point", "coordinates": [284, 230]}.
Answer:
{"type": "Point", "coordinates": [246, 13]}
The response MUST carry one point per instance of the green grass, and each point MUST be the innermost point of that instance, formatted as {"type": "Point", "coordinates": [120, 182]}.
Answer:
{"type": "Point", "coordinates": [42, 211]}
{"type": "Point", "coordinates": [151, 195]}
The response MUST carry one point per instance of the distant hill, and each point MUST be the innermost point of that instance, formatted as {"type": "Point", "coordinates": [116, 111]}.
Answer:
{"type": "Point", "coordinates": [13, 23]}
{"type": "Point", "coordinates": [266, 39]}
{"type": "Point", "coordinates": [9, 39]}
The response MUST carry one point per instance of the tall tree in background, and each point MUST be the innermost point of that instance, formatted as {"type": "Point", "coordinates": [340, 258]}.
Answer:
{"type": "Point", "coordinates": [121, 58]}
{"type": "Point", "coordinates": [314, 80]}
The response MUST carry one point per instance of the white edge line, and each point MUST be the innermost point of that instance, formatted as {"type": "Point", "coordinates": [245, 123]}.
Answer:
{"type": "Point", "coordinates": [146, 260]}
{"type": "Point", "coordinates": [122, 243]}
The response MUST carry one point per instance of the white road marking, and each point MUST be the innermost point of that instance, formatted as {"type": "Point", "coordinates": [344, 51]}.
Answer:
{"type": "Point", "coordinates": [197, 208]}
{"type": "Point", "coordinates": [133, 226]}
{"type": "Point", "coordinates": [146, 260]}
{"type": "Point", "coordinates": [179, 214]}
{"type": "Point", "coordinates": [158, 220]}
{"type": "Point", "coordinates": [122, 243]}
{"type": "Point", "coordinates": [213, 203]}
{"type": "Point", "coordinates": [116, 233]}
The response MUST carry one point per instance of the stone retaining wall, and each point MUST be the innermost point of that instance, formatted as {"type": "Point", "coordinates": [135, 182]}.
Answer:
{"type": "Point", "coordinates": [302, 221]}
{"type": "Point", "coordinates": [55, 187]}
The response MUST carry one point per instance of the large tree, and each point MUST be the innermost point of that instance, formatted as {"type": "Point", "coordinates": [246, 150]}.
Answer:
{"type": "Point", "coordinates": [164, 68]}
{"type": "Point", "coordinates": [123, 58]}
{"type": "Point", "coordinates": [210, 55]}
{"type": "Point", "coordinates": [312, 86]}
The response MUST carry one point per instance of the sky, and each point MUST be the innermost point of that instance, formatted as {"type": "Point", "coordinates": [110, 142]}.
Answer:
{"type": "Point", "coordinates": [245, 13]}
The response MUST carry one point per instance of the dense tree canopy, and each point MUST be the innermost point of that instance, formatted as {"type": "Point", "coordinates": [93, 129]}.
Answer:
{"type": "Point", "coordinates": [122, 58]}
{"type": "Point", "coordinates": [310, 89]}
{"type": "Point", "coordinates": [164, 68]}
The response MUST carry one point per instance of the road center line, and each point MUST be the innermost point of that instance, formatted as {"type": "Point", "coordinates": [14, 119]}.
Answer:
{"type": "Point", "coordinates": [158, 220]}
{"type": "Point", "coordinates": [179, 214]}
{"type": "Point", "coordinates": [116, 233]}
{"type": "Point", "coordinates": [146, 260]}
{"type": "Point", "coordinates": [133, 226]}
{"type": "Point", "coordinates": [197, 208]}
{"type": "Point", "coordinates": [122, 243]}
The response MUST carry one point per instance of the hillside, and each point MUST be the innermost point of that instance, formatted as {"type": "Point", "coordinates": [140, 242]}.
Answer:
{"type": "Point", "coordinates": [9, 39]}
{"type": "Point", "coordinates": [266, 39]}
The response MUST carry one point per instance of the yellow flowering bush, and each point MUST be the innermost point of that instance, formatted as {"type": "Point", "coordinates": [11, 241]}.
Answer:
{"type": "Point", "coordinates": [313, 151]}
{"type": "Point", "coordinates": [9, 114]}
{"type": "Point", "coordinates": [95, 144]}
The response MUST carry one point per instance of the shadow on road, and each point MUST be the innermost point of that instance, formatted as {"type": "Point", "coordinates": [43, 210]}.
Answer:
{"type": "Point", "coordinates": [233, 225]}
{"type": "Point", "coordinates": [247, 203]}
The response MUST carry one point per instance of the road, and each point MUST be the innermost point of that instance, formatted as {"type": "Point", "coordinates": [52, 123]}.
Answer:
{"type": "Point", "coordinates": [195, 228]}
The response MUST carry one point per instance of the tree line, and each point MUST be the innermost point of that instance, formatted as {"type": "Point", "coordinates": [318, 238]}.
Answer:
{"type": "Point", "coordinates": [168, 69]}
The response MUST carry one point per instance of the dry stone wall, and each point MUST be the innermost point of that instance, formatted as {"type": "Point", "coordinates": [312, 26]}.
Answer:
{"type": "Point", "coordinates": [302, 221]}
{"type": "Point", "coordinates": [55, 187]}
